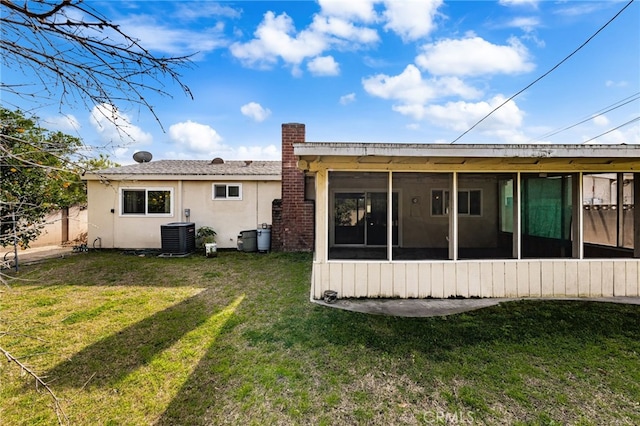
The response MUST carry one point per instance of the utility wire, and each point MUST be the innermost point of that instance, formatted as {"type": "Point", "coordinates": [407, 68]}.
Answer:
{"type": "Point", "coordinates": [605, 110]}
{"type": "Point", "coordinates": [611, 130]}
{"type": "Point", "coordinates": [546, 73]}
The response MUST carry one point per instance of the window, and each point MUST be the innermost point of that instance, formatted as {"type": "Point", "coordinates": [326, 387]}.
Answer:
{"type": "Point", "coordinates": [142, 201]}
{"type": "Point", "coordinates": [439, 202]}
{"type": "Point", "coordinates": [469, 202]}
{"type": "Point", "coordinates": [227, 191]}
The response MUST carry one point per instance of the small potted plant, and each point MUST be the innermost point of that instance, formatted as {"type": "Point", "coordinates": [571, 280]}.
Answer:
{"type": "Point", "coordinates": [206, 238]}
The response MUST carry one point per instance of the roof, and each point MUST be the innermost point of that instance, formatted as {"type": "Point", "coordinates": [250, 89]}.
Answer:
{"type": "Point", "coordinates": [466, 150]}
{"type": "Point", "coordinates": [195, 169]}
{"type": "Point", "coordinates": [469, 156]}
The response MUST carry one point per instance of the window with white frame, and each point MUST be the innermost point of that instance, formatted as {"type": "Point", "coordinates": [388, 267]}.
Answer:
{"type": "Point", "coordinates": [227, 191]}
{"type": "Point", "coordinates": [146, 201]}
{"type": "Point", "coordinates": [469, 202]}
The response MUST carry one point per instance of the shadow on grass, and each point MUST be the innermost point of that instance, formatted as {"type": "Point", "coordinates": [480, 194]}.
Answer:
{"type": "Point", "coordinates": [361, 338]}
{"type": "Point", "coordinates": [109, 360]}
{"type": "Point", "coordinates": [512, 322]}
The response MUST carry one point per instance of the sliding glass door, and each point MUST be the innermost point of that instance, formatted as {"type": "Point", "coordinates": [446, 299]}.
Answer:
{"type": "Point", "coordinates": [360, 218]}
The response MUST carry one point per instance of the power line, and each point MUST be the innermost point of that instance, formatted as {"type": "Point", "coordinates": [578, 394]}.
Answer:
{"type": "Point", "coordinates": [611, 130]}
{"type": "Point", "coordinates": [604, 110]}
{"type": "Point", "coordinates": [546, 73]}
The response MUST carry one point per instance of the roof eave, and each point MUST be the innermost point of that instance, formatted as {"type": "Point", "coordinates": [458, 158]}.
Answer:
{"type": "Point", "coordinates": [181, 177]}
{"type": "Point", "coordinates": [321, 149]}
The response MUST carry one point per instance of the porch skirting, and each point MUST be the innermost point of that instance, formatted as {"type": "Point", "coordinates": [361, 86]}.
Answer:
{"type": "Point", "coordinates": [478, 278]}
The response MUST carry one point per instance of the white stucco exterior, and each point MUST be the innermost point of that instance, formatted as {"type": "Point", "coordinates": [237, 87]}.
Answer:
{"type": "Point", "coordinates": [109, 227]}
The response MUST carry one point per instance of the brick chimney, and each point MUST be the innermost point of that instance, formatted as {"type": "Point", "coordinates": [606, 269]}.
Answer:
{"type": "Point", "coordinates": [292, 216]}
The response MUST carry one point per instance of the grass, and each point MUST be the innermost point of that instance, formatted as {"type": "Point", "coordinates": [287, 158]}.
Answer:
{"type": "Point", "coordinates": [128, 340]}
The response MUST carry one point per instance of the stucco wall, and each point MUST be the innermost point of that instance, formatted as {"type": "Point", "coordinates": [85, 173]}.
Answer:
{"type": "Point", "coordinates": [229, 217]}
{"type": "Point", "coordinates": [52, 233]}
{"type": "Point", "coordinates": [226, 217]}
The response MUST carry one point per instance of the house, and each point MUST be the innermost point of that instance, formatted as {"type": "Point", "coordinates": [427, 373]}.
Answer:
{"type": "Point", "coordinates": [404, 220]}
{"type": "Point", "coordinates": [128, 205]}
{"type": "Point", "coordinates": [435, 220]}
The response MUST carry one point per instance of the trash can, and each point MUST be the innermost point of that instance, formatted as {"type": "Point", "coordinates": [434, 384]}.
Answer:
{"type": "Point", "coordinates": [249, 241]}
{"type": "Point", "coordinates": [240, 245]}
{"type": "Point", "coordinates": [264, 239]}
{"type": "Point", "coordinates": [211, 249]}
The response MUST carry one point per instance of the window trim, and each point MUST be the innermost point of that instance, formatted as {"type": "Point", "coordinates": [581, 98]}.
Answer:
{"type": "Point", "coordinates": [146, 201]}
{"type": "Point", "coordinates": [445, 196]}
{"type": "Point", "coordinates": [226, 197]}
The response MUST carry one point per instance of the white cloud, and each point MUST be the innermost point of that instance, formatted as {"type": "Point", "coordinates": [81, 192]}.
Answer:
{"type": "Point", "coordinates": [172, 40]}
{"type": "Point", "coordinates": [275, 38]}
{"type": "Point", "coordinates": [204, 10]}
{"type": "Point", "coordinates": [526, 23]}
{"type": "Point", "coordinates": [323, 65]}
{"type": "Point", "coordinates": [344, 30]}
{"type": "Point", "coordinates": [411, 20]}
{"type": "Point", "coordinates": [502, 126]}
{"type": "Point", "coordinates": [611, 83]}
{"type": "Point", "coordinates": [533, 3]}
{"type": "Point", "coordinates": [460, 115]}
{"type": "Point", "coordinates": [473, 56]}
{"type": "Point", "coordinates": [269, 152]}
{"type": "Point", "coordinates": [360, 10]}
{"type": "Point", "coordinates": [629, 136]}
{"type": "Point", "coordinates": [66, 123]}
{"type": "Point", "coordinates": [600, 120]}
{"type": "Point", "coordinates": [255, 111]}
{"type": "Point", "coordinates": [347, 99]}
{"type": "Point", "coordinates": [628, 133]}
{"type": "Point", "coordinates": [410, 88]}
{"type": "Point", "coordinates": [114, 126]}
{"type": "Point", "coordinates": [195, 137]}
{"type": "Point", "coordinates": [572, 9]}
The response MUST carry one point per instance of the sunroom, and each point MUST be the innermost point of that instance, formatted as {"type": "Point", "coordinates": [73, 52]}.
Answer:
{"type": "Point", "coordinates": [418, 221]}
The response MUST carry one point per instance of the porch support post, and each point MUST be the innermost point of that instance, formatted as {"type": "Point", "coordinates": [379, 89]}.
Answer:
{"type": "Point", "coordinates": [390, 215]}
{"type": "Point", "coordinates": [321, 252]}
{"type": "Point", "coordinates": [453, 217]}
{"type": "Point", "coordinates": [636, 215]}
{"type": "Point", "coordinates": [517, 218]}
{"type": "Point", "coordinates": [577, 247]}
{"type": "Point", "coordinates": [620, 209]}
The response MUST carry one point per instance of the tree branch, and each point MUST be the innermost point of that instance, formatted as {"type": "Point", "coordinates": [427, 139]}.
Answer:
{"type": "Point", "coordinates": [60, 414]}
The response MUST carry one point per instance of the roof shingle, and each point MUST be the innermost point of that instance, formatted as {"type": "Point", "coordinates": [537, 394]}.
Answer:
{"type": "Point", "coordinates": [197, 167]}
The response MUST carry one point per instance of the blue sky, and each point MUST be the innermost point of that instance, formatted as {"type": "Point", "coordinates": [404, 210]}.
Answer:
{"type": "Point", "coordinates": [372, 71]}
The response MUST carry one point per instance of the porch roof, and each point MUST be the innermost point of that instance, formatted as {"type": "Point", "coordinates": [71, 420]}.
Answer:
{"type": "Point", "coordinates": [568, 157]}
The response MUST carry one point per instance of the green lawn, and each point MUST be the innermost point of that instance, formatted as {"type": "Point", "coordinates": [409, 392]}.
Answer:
{"type": "Point", "coordinates": [129, 340]}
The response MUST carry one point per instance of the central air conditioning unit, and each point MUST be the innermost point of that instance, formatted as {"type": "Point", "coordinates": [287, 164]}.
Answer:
{"type": "Point", "coordinates": [178, 237]}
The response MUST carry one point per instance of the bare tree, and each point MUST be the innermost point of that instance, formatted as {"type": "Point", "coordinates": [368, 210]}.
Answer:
{"type": "Point", "coordinates": [77, 54]}
{"type": "Point", "coordinates": [69, 52]}
{"type": "Point", "coordinates": [72, 53]}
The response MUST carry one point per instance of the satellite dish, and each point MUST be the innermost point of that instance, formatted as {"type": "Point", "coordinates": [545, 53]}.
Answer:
{"type": "Point", "coordinates": [142, 157]}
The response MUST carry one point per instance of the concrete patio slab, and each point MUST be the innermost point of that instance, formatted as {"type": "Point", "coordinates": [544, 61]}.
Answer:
{"type": "Point", "coordinates": [420, 308]}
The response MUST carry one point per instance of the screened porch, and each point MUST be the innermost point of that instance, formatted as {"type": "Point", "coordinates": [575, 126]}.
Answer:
{"type": "Point", "coordinates": [421, 223]}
